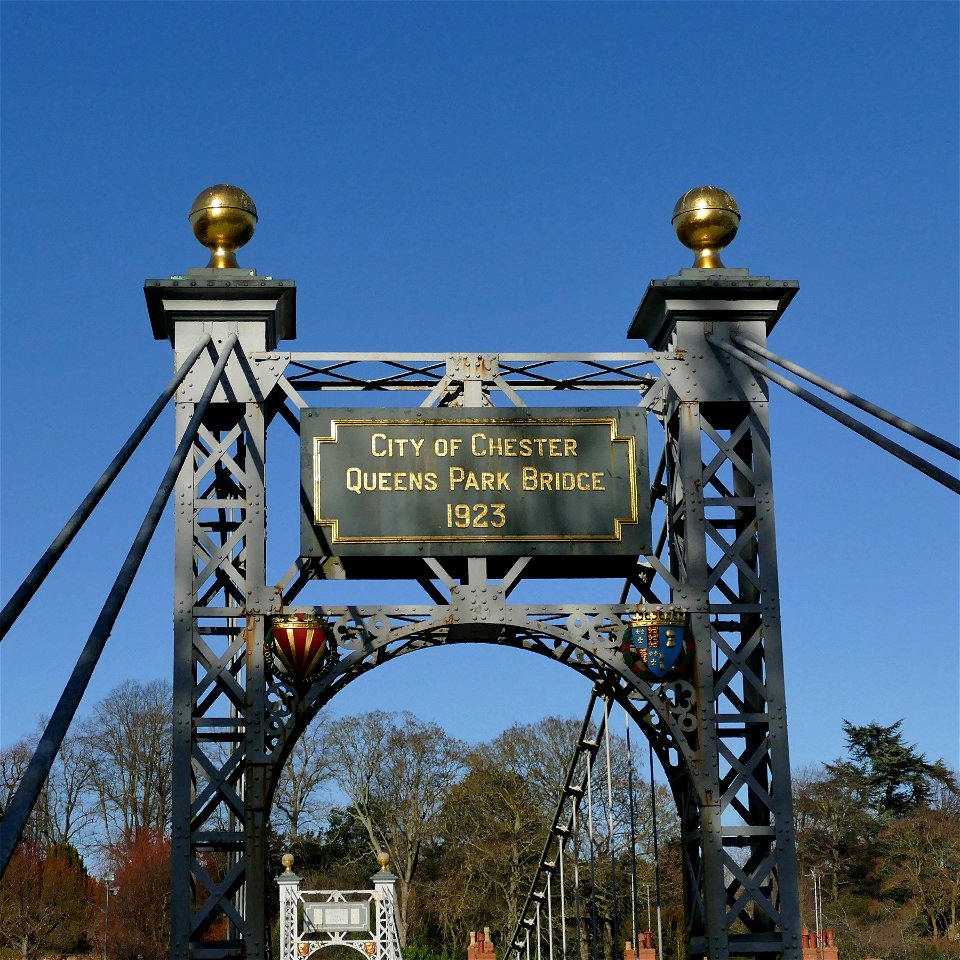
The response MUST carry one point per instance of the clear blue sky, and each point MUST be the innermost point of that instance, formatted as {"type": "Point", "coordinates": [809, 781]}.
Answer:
{"type": "Point", "coordinates": [493, 177]}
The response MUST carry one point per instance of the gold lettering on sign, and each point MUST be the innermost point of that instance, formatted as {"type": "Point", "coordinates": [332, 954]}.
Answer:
{"type": "Point", "coordinates": [461, 479]}
{"type": "Point", "coordinates": [532, 479]}
{"type": "Point", "coordinates": [383, 446]}
{"type": "Point", "coordinates": [404, 458]}
{"type": "Point", "coordinates": [386, 481]}
{"type": "Point", "coordinates": [484, 445]}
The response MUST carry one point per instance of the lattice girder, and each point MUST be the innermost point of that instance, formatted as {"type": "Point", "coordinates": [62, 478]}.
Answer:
{"type": "Point", "coordinates": [235, 724]}
{"type": "Point", "coordinates": [723, 448]}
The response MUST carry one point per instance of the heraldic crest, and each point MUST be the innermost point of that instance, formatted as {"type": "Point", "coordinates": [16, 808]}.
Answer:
{"type": "Point", "coordinates": [657, 645]}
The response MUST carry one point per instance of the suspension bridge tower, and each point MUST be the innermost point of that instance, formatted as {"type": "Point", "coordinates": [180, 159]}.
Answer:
{"type": "Point", "coordinates": [463, 497]}
{"type": "Point", "coordinates": [720, 733]}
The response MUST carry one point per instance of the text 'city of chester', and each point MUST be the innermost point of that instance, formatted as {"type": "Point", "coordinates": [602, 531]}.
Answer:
{"type": "Point", "coordinates": [467, 482]}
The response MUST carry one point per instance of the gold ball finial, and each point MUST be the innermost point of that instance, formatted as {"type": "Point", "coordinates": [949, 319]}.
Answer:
{"type": "Point", "coordinates": [287, 861]}
{"type": "Point", "coordinates": [383, 858]}
{"type": "Point", "coordinates": [706, 220]}
{"type": "Point", "coordinates": [223, 218]}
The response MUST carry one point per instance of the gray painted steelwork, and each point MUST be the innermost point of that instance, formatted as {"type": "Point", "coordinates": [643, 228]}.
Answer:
{"type": "Point", "coordinates": [721, 738]}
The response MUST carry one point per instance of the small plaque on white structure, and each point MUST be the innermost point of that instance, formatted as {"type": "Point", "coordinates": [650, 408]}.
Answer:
{"type": "Point", "coordinates": [338, 917]}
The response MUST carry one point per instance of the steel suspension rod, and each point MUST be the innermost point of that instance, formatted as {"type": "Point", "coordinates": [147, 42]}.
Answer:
{"type": "Point", "coordinates": [611, 837]}
{"type": "Point", "coordinates": [656, 852]}
{"type": "Point", "coordinates": [633, 837]}
{"type": "Point", "coordinates": [931, 439]}
{"type": "Point", "coordinates": [901, 453]}
{"type": "Point", "coordinates": [23, 801]}
{"type": "Point", "coordinates": [31, 583]}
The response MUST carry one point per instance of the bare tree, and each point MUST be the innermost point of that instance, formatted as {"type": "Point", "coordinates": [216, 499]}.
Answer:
{"type": "Point", "coordinates": [493, 833]}
{"type": "Point", "coordinates": [67, 805]}
{"type": "Point", "coordinates": [65, 808]}
{"type": "Point", "coordinates": [397, 771]}
{"type": "Point", "coordinates": [13, 765]}
{"type": "Point", "coordinates": [539, 753]}
{"type": "Point", "coordinates": [298, 800]}
{"type": "Point", "coordinates": [129, 738]}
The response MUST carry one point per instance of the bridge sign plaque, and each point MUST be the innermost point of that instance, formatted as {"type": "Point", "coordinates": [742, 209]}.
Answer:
{"type": "Point", "coordinates": [338, 917]}
{"type": "Point", "coordinates": [457, 482]}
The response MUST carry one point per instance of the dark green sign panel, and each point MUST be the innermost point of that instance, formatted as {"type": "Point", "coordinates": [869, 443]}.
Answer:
{"type": "Point", "coordinates": [450, 482]}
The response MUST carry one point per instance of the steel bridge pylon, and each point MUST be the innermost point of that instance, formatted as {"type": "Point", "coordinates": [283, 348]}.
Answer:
{"type": "Point", "coordinates": [721, 737]}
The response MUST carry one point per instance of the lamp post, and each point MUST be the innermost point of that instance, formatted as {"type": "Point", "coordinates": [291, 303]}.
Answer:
{"type": "Point", "coordinates": [108, 879]}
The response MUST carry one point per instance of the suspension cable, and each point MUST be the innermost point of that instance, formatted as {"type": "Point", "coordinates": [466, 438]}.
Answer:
{"type": "Point", "coordinates": [633, 834]}
{"type": "Point", "coordinates": [656, 856]}
{"type": "Point", "coordinates": [614, 918]}
{"type": "Point", "coordinates": [563, 908]}
{"type": "Point", "coordinates": [593, 867]}
{"type": "Point", "coordinates": [901, 453]}
{"type": "Point", "coordinates": [34, 579]}
{"type": "Point", "coordinates": [576, 883]}
{"type": "Point", "coordinates": [550, 915]}
{"type": "Point", "coordinates": [931, 439]}
{"type": "Point", "coordinates": [23, 801]}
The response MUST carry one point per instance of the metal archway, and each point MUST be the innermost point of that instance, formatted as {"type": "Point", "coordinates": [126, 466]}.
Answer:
{"type": "Point", "coordinates": [585, 643]}
{"type": "Point", "coordinates": [715, 558]}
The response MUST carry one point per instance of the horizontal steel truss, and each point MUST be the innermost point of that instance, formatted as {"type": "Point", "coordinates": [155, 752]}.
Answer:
{"type": "Point", "coordinates": [718, 741]}
{"type": "Point", "coordinates": [443, 375]}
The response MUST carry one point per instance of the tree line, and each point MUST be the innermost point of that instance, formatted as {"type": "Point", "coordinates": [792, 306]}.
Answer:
{"type": "Point", "coordinates": [880, 828]}
{"type": "Point", "coordinates": [464, 826]}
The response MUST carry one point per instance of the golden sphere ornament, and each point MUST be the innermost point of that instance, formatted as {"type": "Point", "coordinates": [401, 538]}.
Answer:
{"type": "Point", "coordinates": [706, 220]}
{"type": "Point", "coordinates": [223, 218]}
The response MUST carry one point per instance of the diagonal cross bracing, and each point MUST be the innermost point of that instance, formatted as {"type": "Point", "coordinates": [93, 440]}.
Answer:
{"type": "Point", "coordinates": [715, 738]}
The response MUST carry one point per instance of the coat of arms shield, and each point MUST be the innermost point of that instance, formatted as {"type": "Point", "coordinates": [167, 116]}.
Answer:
{"type": "Point", "coordinates": [657, 646]}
